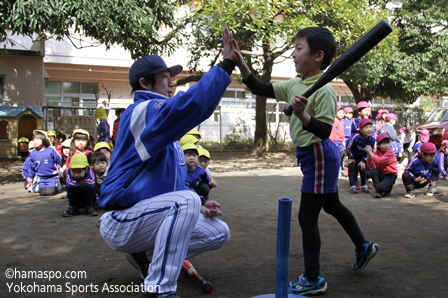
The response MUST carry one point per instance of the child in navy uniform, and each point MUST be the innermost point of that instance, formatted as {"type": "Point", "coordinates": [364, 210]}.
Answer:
{"type": "Point", "coordinates": [382, 165]}
{"type": "Point", "coordinates": [23, 148]}
{"type": "Point", "coordinates": [103, 128]}
{"type": "Point", "coordinates": [348, 121]}
{"type": "Point", "coordinates": [441, 159]}
{"type": "Point", "coordinates": [204, 161]}
{"type": "Point", "coordinates": [424, 137]}
{"type": "Point", "coordinates": [80, 182]}
{"type": "Point", "coordinates": [43, 163]}
{"type": "Point", "coordinates": [356, 152]}
{"type": "Point", "coordinates": [100, 165]}
{"type": "Point", "coordinates": [310, 127]}
{"type": "Point", "coordinates": [197, 178]}
{"type": "Point", "coordinates": [419, 172]}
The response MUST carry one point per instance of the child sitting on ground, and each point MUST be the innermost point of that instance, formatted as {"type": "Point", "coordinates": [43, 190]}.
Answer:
{"type": "Point", "coordinates": [441, 158]}
{"type": "Point", "coordinates": [382, 165]}
{"type": "Point", "coordinates": [80, 143]}
{"type": "Point", "coordinates": [204, 160]}
{"type": "Point", "coordinates": [80, 187]}
{"type": "Point", "coordinates": [197, 178]}
{"type": "Point", "coordinates": [357, 155]}
{"type": "Point", "coordinates": [42, 166]}
{"type": "Point", "coordinates": [420, 172]}
{"type": "Point", "coordinates": [104, 148]}
{"type": "Point", "coordinates": [23, 148]}
{"type": "Point", "coordinates": [100, 166]}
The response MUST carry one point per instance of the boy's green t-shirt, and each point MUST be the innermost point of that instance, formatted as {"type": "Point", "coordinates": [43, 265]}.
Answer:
{"type": "Point", "coordinates": [321, 105]}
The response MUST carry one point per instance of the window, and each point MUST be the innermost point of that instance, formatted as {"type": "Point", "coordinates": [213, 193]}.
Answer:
{"type": "Point", "coordinates": [4, 129]}
{"type": "Point", "coordinates": [71, 95]}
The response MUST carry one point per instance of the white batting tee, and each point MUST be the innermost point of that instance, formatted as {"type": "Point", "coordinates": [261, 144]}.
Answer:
{"type": "Point", "coordinates": [168, 227]}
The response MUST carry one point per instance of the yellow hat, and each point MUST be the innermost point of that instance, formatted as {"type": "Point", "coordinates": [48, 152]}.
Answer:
{"type": "Point", "coordinates": [79, 161]}
{"type": "Point", "coordinates": [66, 143]}
{"type": "Point", "coordinates": [204, 152]}
{"type": "Point", "coordinates": [83, 131]}
{"type": "Point", "coordinates": [51, 133]}
{"type": "Point", "coordinates": [42, 132]}
{"type": "Point", "coordinates": [23, 140]}
{"type": "Point", "coordinates": [31, 145]}
{"type": "Point", "coordinates": [101, 145]}
{"type": "Point", "coordinates": [194, 131]}
{"type": "Point", "coordinates": [101, 114]}
{"type": "Point", "coordinates": [188, 139]}
{"type": "Point", "coordinates": [190, 146]}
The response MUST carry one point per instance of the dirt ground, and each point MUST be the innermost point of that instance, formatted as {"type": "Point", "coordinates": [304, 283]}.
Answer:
{"type": "Point", "coordinates": [412, 234]}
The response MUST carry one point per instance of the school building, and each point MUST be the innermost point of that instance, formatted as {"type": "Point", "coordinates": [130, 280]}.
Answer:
{"type": "Point", "coordinates": [69, 79]}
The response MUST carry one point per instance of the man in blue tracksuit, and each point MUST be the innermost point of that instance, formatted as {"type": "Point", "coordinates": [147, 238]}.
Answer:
{"type": "Point", "coordinates": [149, 211]}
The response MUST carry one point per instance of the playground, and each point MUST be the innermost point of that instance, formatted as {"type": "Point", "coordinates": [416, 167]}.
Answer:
{"type": "Point", "coordinates": [412, 234]}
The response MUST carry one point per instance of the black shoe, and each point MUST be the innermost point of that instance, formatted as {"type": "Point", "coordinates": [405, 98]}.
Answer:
{"type": "Point", "coordinates": [165, 295]}
{"type": "Point", "coordinates": [71, 211]}
{"type": "Point", "coordinates": [90, 211]}
{"type": "Point", "coordinates": [140, 262]}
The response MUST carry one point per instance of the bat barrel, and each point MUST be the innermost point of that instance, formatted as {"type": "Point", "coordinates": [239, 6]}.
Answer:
{"type": "Point", "coordinates": [283, 239]}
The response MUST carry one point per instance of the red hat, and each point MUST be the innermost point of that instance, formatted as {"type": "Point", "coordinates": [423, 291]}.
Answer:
{"type": "Point", "coordinates": [381, 137]}
{"type": "Point", "coordinates": [424, 135]}
{"type": "Point", "coordinates": [402, 129]}
{"type": "Point", "coordinates": [391, 116]}
{"type": "Point", "coordinates": [380, 113]}
{"type": "Point", "coordinates": [348, 110]}
{"type": "Point", "coordinates": [364, 122]}
{"type": "Point", "coordinates": [362, 105]}
{"type": "Point", "coordinates": [428, 148]}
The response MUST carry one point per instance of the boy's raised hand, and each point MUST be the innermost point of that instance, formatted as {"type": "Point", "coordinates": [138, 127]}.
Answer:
{"type": "Point", "coordinates": [228, 49]}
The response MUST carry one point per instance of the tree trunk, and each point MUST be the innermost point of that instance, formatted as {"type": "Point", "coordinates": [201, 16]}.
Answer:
{"type": "Point", "coordinates": [261, 131]}
{"type": "Point", "coordinates": [359, 93]}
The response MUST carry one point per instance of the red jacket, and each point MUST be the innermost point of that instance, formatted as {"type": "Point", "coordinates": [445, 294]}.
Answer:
{"type": "Point", "coordinates": [337, 132]}
{"type": "Point", "coordinates": [386, 162]}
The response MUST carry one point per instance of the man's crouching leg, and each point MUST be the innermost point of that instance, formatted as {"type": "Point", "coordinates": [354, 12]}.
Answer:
{"type": "Point", "coordinates": [163, 224]}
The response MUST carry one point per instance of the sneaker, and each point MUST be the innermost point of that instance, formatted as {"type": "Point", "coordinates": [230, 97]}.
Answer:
{"type": "Point", "coordinates": [365, 189]}
{"type": "Point", "coordinates": [140, 262]}
{"type": "Point", "coordinates": [387, 193]}
{"type": "Point", "coordinates": [358, 187]}
{"type": "Point", "coordinates": [377, 195]}
{"type": "Point", "coordinates": [369, 183]}
{"type": "Point", "coordinates": [410, 194]}
{"type": "Point", "coordinates": [362, 258]}
{"type": "Point", "coordinates": [353, 189]}
{"type": "Point", "coordinates": [90, 211]}
{"type": "Point", "coordinates": [434, 193]}
{"type": "Point", "coordinates": [71, 211]}
{"type": "Point", "coordinates": [304, 286]}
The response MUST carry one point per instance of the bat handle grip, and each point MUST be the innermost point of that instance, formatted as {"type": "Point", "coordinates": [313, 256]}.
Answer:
{"type": "Point", "coordinates": [287, 110]}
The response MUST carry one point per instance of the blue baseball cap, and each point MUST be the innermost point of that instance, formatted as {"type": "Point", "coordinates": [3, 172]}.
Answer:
{"type": "Point", "coordinates": [150, 64]}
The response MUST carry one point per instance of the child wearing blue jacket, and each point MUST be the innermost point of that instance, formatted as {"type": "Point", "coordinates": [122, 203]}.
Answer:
{"type": "Point", "coordinates": [197, 178]}
{"type": "Point", "coordinates": [420, 172]}
{"type": "Point", "coordinates": [42, 166]}
{"type": "Point", "coordinates": [80, 183]}
{"type": "Point", "coordinates": [357, 154]}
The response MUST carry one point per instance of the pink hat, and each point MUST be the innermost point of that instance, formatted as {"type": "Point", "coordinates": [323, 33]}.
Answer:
{"type": "Point", "coordinates": [402, 129]}
{"type": "Point", "coordinates": [424, 135]}
{"type": "Point", "coordinates": [364, 122]}
{"type": "Point", "coordinates": [380, 113]}
{"type": "Point", "coordinates": [391, 116]}
{"type": "Point", "coordinates": [381, 137]}
{"type": "Point", "coordinates": [338, 108]}
{"type": "Point", "coordinates": [348, 110]}
{"type": "Point", "coordinates": [362, 105]}
{"type": "Point", "coordinates": [428, 147]}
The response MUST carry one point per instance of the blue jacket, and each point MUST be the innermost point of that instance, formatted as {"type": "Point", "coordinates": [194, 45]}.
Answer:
{"type": "Point", "coordinates": [147, 159]}
{"type": "Point", "coordinates": [103, 130]}
{"type": "Point", "coordinates": [418, 168]}
{"type": "Point", "coordinates": [89, 179]}
{"type": "Point", "coordinates": [194, 178]}
{"type": "Point", "coordinates": [42, 163]}
{"type": "Point", "coordinates": [396, 147]}
{"type": "Point", "coordinates": [354, 127]}
{"type": "Point", "coordinates": [357, 144]}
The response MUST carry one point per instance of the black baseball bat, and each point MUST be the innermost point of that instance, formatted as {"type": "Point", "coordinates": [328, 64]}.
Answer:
{"type": "Point", "coordinates": [359, 49]}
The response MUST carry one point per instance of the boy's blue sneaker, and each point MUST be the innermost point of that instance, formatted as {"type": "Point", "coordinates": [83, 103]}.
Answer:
{"type": "Point", "coordinates": [363, 258]}
{"type": "Point", "coordinates": [304, 286]}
